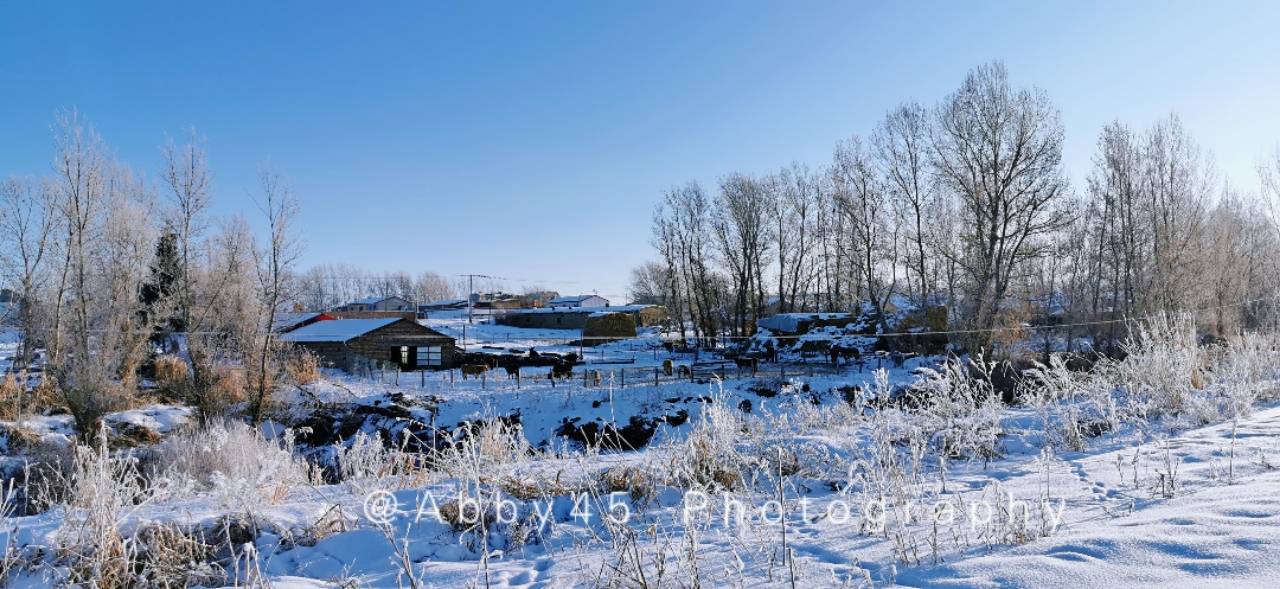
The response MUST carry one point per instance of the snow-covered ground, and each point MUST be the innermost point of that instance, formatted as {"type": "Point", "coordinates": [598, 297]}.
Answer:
{"type": "Point", "coordinates": [808, 481]}
{"type": "Point", "coordinates": [484, 335]}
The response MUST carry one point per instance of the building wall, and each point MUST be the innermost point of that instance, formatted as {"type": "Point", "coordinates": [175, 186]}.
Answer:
{"type": "Point", "coordinates": [566, 320]}
{"type": "Point", "coordinates": [382, 346]}
{"type": "Point", "coordinates": [410, 315]}
{"type": "Point", "coordinates": [394, 304]}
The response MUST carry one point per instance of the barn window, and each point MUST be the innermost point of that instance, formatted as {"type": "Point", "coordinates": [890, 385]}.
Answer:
{"type": "Point", "coordinates": [430, 356]}
{"type": "Point", "coordinates": [404, 355]}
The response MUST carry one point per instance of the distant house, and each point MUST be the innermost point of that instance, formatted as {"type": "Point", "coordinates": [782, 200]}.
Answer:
{"type": "Point", "coordinates": [579, 301]}
{"type": "Point", "coordinates": [355, 344]}
{"type": "Point", "coordinates": [538, 299]}
{"type": "Point", "coordinates": [379, 304]}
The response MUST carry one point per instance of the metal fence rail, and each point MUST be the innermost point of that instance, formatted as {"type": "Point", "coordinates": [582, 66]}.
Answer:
{"type": "Point", "coordinates": [621, 377]}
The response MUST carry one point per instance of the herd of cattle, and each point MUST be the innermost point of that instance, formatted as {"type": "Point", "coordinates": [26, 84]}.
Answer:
{"type": "Point", "coordinates": [478, 365]}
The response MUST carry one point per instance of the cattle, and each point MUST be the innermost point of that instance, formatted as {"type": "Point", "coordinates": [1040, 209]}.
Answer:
{"type": "Point", "coordinates": [594, 377]}
{"type": "Point", "coordinates": [561, 370]}
{"type": "Point", "coordinates": [745, 362]}
{"type": "Point", "coordinates": [513, 370]}
{"type": "Point", "coordinates": [476, 370]}
{"type": "Point", "coordinates": [667, 367]}
{"type": "Point", "coordinates": [684, 371]}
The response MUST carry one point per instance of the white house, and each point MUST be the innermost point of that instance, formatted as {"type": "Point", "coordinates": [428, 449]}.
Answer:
{"type": "Point", "coordinates": [579, 301]}
{"type": "Point", "coordinates": [379, 304]}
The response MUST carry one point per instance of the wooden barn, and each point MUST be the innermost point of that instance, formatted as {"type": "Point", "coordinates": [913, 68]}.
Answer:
{"type": "Point", "coordinates": [362, 344]}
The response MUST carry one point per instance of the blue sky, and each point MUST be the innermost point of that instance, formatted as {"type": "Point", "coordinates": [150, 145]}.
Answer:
{"type": "Point", "coordinates": [532, 139]}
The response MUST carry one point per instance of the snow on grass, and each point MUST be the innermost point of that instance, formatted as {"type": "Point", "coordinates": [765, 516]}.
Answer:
{"type": "Point", "coordinates": [1156, 470]}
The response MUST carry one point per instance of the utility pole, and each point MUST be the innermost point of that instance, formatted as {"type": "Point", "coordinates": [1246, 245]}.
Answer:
{"type": "Point", "coordinates": [471, 290]}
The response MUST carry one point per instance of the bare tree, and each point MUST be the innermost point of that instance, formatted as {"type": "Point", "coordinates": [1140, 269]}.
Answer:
{"type": "Point", "coordinates": [26, 222]}
{"type": "Point", "coordinates": [430, 286]}
{"type": "Point", "coordinates": [1177, 181]}
{"type": "Point", "coordinates": [861, 196]}
{"type": "Point", "coordinates": [683, 234]}
{"type": "Point", "coordinates": [186, 173]}
{"type": "Point", "coordinates": [648, 284]}
{"type": "Point", "coordinates": [795, 195]}
{"type": "Point", "coordinates": [742, 236]}
{"type": "Point", "coordinates": [998, 152]}
{"type": "Point", "coordinates": [274, 262]}
{"type": "Point", "coordinates": [902, 156]}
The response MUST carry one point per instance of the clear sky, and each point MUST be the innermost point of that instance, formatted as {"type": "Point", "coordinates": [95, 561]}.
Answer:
{"type": "Point", "coordinates": [532, 139]}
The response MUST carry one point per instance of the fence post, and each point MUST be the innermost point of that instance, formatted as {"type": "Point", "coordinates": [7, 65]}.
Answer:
{"type": "Point", "coordinates": [655, 376]}
{"type": "Point", "coordinates": [622, 372]}
{"type": "Point", "coordinates": [423, 374]}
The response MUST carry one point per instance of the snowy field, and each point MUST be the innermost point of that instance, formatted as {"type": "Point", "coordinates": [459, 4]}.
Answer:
{"type": "Point", "coordinates": [828, 480]}
{"type": "Point", "coordinates": [483, 335]}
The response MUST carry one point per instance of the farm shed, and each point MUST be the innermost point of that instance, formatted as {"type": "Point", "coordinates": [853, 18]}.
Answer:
{"type": "Point", "coordinates": [443, 305]}
{"type": "Point", "coordinates": [351, 344]}
{"type": "Point", "coordinates": [379, 304]}
{"type": "Point", "coordinates": [371, 314]}
{"type": "Point", "coordinates": [577, 317]}
{"type": "Point", "coordinates": [579, 301]}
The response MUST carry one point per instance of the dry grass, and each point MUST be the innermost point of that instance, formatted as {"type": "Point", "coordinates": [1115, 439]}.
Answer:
{"type": "Point", "coordinates": [234, 462]}
{"type": "Point", "coordinates": [10, 396]}
{"type": "Point", "coordinates": [171, 373]}
{"type": "Point", "coordinates": [637, 482]}
{"type": "Point", "coordinates": [302, 367]}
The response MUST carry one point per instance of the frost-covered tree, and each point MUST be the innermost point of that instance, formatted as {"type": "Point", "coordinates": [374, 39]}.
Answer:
{"type": "Point", "coordinates": [998, 153]}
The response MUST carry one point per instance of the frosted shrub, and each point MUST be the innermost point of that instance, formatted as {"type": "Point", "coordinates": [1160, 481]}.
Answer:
{"type": "Point", "coordinates": [1247, 369]}
{"type": "Point", "coordinates": [232, 460]}
{"type": "Point", "coordinates": [964, 411]}
{"type": "Point", "coordinates": [104, 491]}
{"type": "Point", "coordinates": [368, 464]}
{"type": "Point", "coordinates": [10, 559]}
{"type": "Point", "coordinates": [1072, 406]}
{"type": "Point", "coordinates": [488, 450]}
{"type": "Point", "coordinates": [1163, 373]}
{"type": "Point", "coordinates": [709, 455]}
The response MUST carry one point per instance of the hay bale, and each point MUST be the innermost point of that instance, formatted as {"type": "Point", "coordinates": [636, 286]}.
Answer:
{"type": "Point", "coordinates": [608, 326]}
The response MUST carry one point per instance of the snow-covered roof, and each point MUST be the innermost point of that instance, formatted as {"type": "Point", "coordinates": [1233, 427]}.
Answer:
{"type": "Point", "coordinates": [574, 299]}
{"type": "Point", "coordinates": [617, 309]}
{"type": "Point", "coordinates": [445, 303]}
{"type": "Point", "coordinates": [374, 300]}
{"type": "Point", "coordinates": [287, 320]}
{"type": "Point", "coordinates": [337, 330]}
